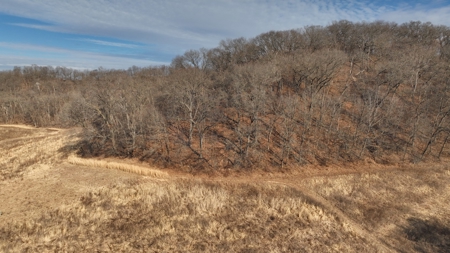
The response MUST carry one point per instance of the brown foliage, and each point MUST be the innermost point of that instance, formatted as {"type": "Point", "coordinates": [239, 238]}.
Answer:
{"type": "Point", "coordinates": [317, 95]}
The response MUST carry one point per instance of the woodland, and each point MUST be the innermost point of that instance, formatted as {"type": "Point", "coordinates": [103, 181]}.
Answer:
{"type": "Point", "coordinates": [318, 95]}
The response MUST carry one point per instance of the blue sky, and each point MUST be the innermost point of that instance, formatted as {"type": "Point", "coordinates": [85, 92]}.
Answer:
{"type": "Point", "coordinates": [87, 34]}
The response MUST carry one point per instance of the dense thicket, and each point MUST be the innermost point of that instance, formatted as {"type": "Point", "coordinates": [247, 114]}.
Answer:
{"type": "Point", "coordinates": [316, 95]}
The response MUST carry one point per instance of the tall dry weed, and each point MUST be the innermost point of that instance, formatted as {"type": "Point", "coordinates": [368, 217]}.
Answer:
{"type": "Point", "coordinates": [140, 170]}
{"type": "Point", "coordinates": [185, 216]}
{"type": "Point", "coordinates": [386, 202]}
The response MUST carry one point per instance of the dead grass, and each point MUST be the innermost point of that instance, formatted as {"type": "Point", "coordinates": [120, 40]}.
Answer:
{"type": "Point", "coordinates": [406, 210]}
{"type": "Point", "coordinates": [140, 170]}
{"type": "Point", "coordinates": [21, 149]}
{"type": "Point", "coordinates": [185, 216]}
{"type": "Point", "coordinates": [12, 133]}
{"type": "Point", "coordinates": [386, 203]}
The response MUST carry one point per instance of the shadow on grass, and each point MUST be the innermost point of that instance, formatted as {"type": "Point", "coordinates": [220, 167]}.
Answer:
{"type": "Point", "coordinates": [429, 235]}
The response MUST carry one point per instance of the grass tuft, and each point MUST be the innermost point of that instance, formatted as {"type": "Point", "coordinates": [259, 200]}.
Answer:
{"type": "Point", "coordinates": [117, 166]}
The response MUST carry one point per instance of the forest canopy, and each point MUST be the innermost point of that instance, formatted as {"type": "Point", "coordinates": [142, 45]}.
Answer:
{"type": "Point", "coordinates": [342, 93]}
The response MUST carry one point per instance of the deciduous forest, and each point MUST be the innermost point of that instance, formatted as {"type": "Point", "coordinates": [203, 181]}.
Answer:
{"type": "Point", "coordinates": [344, 93]}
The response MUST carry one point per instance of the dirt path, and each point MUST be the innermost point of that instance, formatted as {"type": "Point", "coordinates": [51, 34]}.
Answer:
{"type": "Point", "coordinates": [48, 187]}
{"type": "Point", "coordinates": [310, 196]}
{"type": "Point", "coordinates": [30, 127]}
{"type": "Point", "coordinates": [37, 176]}
{"type": "Point", "coordinates": [321, 202]}
{"type": "Point", "coordinates": [19, 126]}
{"type": "Point", "coordinates": [49, 181]}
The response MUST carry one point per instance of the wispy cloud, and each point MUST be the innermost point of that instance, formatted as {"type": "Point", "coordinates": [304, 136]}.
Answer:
{"type": "Point", "coordinates": [438, 16]}
{"type": "Point", "coordinates": [200, 23]}
{"type": "Point", "coordinates": [41, 27]}
{"type": "Point", "coordinates": [22, 46]}
{"type": "Point", "coordinates": [27, 54]}
{"type": "Point", "coordinates": [195, 23]}
{"type": "Point", "coordinates": [111, 44]}
{"type": "Point", "coordinates": [175, 26]}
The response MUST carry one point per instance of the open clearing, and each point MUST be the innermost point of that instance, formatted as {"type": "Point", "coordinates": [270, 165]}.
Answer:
{"type": "Point", "coordinates": [52, 201]}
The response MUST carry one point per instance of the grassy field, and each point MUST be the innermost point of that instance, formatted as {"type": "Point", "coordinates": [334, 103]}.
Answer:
{"type": "Point", "coordinates": [53, 201]}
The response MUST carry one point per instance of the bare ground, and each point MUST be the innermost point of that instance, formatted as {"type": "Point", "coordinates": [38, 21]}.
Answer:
{"type": "Point", "coordinates": [49, 204]}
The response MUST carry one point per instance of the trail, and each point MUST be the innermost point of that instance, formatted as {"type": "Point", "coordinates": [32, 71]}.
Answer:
{"type": "Point", "coordinates": [321, 202]}
{"type": "Point", "coordinates": [37, 151]}
{"type": "Point", "coordinates": [42, 143]}
{"type": "Point", "coordinates": [18, 126]}
{"type": "Point", "coordinates": [34, 174]}
{"type": "Point", "coordinates": [309, 196]}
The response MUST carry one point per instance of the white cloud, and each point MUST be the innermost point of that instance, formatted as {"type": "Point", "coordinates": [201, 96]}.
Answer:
{"type": "Point", "coordinates": [174, 26]}
{"type": "Point", "coordinates": [41, 27]}
{"type": "Point", "coordinates": [201, 23]}
{"type": "Point", "coordinates": [31, 47]}
{"type": "Point", "coordinates": [52, 56]}
{"type": "Point", "coordinates": [187, 24]}
{"type": "Point", "coordinates": [112, 44]}
{"type": "Point", "coordinates": [437, 16]}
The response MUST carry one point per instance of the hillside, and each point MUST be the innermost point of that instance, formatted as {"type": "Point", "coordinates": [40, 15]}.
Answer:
{"type": "Point", "coordinates": [319, 139]}
{"type": "Point", "coordinates": [349, 93]}
{"type": "Point", "coordinates": [49, 204]}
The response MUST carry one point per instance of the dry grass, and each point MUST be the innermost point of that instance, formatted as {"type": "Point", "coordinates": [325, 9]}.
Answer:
{"type": "Point", "coordinates": [405, 210]}
{"type": "Point", "coordinates": [140, 170]}
{"type": "Point", "coordinates": [13, 133]}
{"type": "Point", "coordinates": [402, 205]}
{"type": "Point", "coordinates": [21, 149]}
{"type": "Point", "coordinates": [185, 216]}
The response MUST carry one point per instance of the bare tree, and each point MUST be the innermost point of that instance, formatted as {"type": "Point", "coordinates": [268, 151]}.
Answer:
{"type": "Point", "coordinates": [193, 105]}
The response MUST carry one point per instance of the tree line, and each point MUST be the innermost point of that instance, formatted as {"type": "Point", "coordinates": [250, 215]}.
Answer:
{"type": "Point", "coordinates": [342, 93]}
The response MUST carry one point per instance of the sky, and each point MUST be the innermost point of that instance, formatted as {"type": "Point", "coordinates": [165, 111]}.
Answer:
{"type": "Point", "coordinates": [117, 34]}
